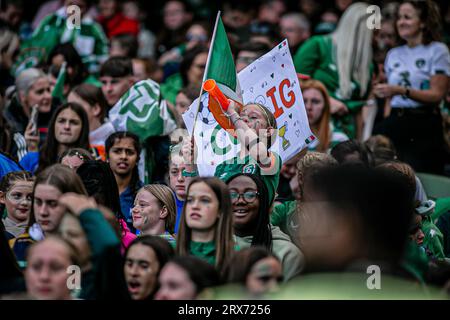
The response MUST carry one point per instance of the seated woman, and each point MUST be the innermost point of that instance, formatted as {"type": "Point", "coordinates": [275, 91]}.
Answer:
{"type": "Point", "coordinates": [69, 128]}
{"type": "Point", "coordinates": [178, 182]}
{"type": "Point", "coordinates": [252, 226]}
{"type": "Point", "coordinates": [286, 215]}
{"type": "Point", "coordinates": [317, 104]}
{"type": "Point", "coordinates": [154, 212]}
{"type": "Point", "coordinates": [32, 88]}
{"type": "Point", "coordinates": [206, 226]}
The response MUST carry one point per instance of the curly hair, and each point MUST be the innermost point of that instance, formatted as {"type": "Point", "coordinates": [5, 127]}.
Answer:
{"type": "Point", "coordinates": [428, 12]}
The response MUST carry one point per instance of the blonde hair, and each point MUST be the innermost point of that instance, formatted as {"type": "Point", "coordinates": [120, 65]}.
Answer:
{"type": "Point", "coordinates": [324, 121]}
{"type": "Point", "coordinates": [166, 198]}
{"type": "Point", "coordinates": [309, 163]}
{"type": "Point", "coordinates": [352, 40]}
{"type": "Point", "coordinates": [313, 158]}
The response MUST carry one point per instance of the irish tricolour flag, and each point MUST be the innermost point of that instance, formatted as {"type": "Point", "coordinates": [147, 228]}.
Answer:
{"type": "Point", "coordinates": [220, 65]}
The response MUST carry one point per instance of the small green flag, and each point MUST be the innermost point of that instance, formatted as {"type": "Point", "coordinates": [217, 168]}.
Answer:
{"type": "Point", "coordinates": [58, 90]}
{"type": "Point", "coordinates": [220, 66]}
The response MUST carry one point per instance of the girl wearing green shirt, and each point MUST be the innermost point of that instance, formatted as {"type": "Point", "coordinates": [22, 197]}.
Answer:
{"type": "Point", "coordinates": [206, 226]}
{"type": "Point", "coordinates": [255, 127]}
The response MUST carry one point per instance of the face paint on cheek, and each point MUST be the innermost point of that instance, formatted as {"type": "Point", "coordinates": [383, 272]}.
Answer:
{"type": "Point", "coordinates": [145, 220]}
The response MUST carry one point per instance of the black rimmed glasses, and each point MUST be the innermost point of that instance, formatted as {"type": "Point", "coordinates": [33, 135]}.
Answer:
{"type": "Point", "coordinates": [248, 196]}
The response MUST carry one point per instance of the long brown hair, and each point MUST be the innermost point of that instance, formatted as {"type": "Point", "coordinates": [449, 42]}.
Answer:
{"type": "Point", "coordinates": [48, 154]}
{"type": "Point", "coordinates": [223, 235]}
{"type": "Point", "coordinates": [324, 133]}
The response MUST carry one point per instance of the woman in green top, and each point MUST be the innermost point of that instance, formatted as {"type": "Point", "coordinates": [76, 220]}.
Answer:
{"type": "Point", "coordinates": [206, 226]}
{"type": "Point", "coordinates": [342, 62]}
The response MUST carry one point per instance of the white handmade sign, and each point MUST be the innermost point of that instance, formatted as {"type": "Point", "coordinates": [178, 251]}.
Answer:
{"type": "Point", "coordinates": [271, 81]}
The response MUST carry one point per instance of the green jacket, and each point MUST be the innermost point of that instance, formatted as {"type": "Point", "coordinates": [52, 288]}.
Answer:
{"type": "Point", "coordinates": [315, 58]}
{"type": "Point", "coordinates": [229, 168]}
{"type": "Point", "coordinates": [105, 279]}
{"type": "Point", "coordinates": [415, 261]}
{"type": "Point", "coordinates": [292, 259]}
{"type": "Point", "coordinates": [434, 239]}
{"type": "Point", "coordinates": [282, 216]}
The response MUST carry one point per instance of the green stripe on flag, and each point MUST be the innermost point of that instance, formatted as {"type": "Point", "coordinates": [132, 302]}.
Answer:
{"type": "Point", "coordinates": [221, 66]}
{"type": "Point", "coordinates": [58, 90]}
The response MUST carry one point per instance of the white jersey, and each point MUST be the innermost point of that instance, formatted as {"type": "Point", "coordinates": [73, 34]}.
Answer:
{"type": "Point", "coordinates": [414, 67]}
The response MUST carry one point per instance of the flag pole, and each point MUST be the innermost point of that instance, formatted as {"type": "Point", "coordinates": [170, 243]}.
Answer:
{"type": "Point", "coordinates": [208, 60]}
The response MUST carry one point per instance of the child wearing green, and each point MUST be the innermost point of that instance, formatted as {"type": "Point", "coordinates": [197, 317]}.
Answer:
{"type": "Point", "coordinates": [255, 128]}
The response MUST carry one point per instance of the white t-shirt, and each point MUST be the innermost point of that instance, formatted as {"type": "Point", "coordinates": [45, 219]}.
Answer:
{"type": "Point", "coordinates": [414, 67]}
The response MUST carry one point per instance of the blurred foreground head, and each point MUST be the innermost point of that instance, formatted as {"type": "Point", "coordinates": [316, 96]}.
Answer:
{"type": "Point", "coordinates": [358, 215]}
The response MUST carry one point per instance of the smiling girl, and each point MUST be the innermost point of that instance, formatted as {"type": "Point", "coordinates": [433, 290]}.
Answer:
{"type": "Point", "coordinates": [206, 229]}
{"type": "Point", "coordinates": [251, 222]}
{"type": "Point", "coordinates": [154, 212]}
{"type": "Point", "coordinates": [16, 195]}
